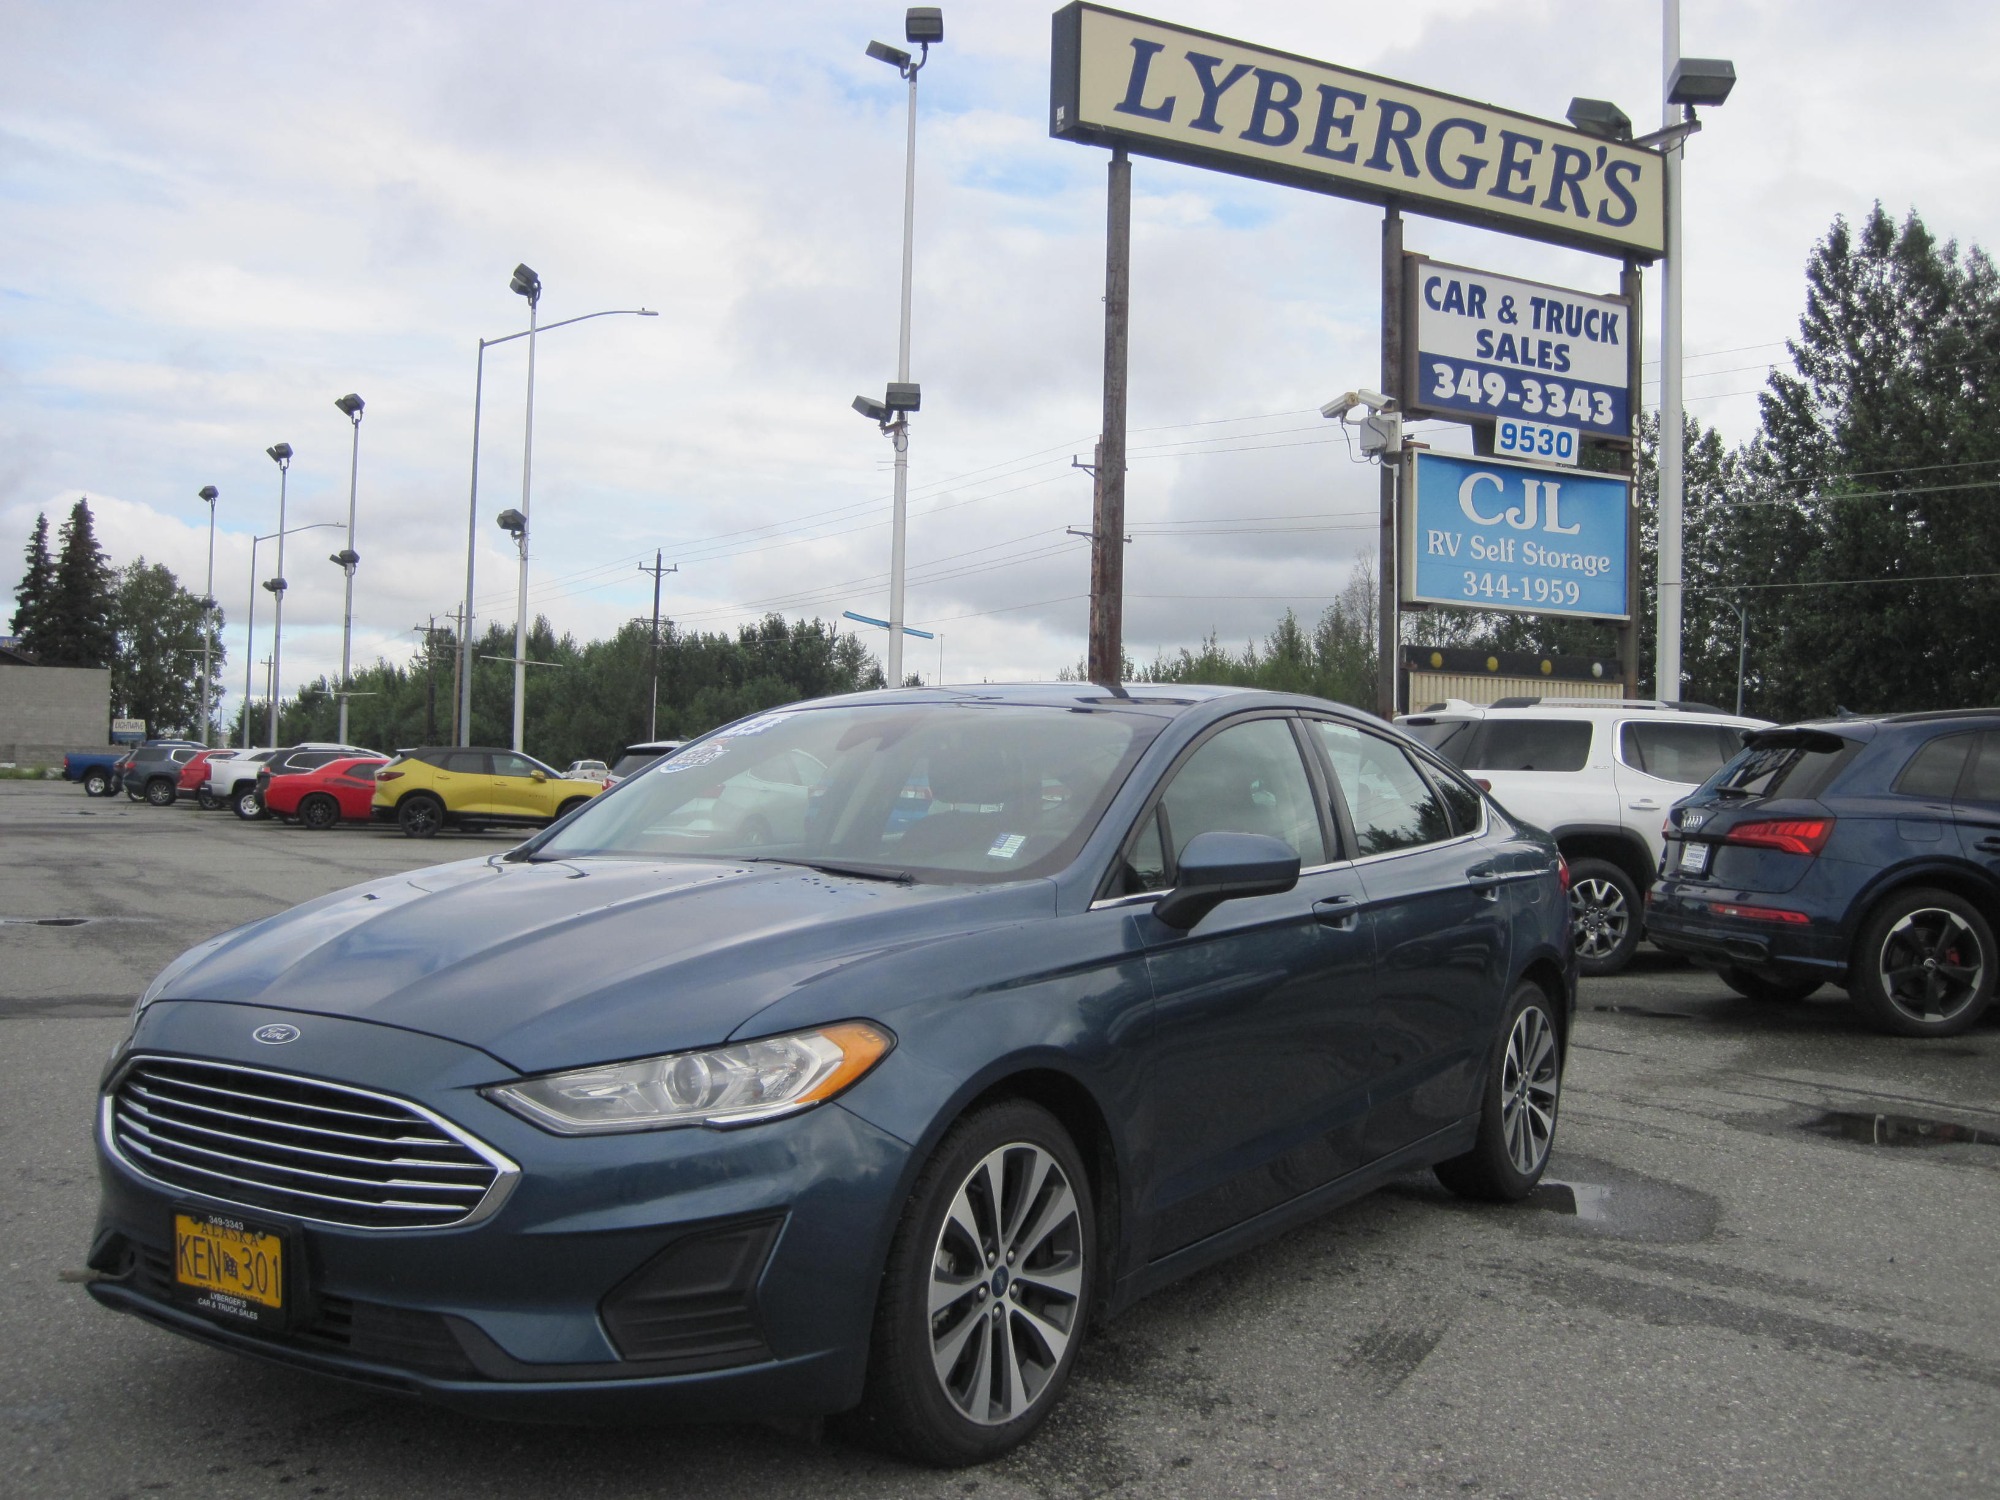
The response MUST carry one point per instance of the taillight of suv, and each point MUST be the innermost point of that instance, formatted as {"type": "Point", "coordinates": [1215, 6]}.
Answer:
{"type": "Point", "coordinates": [1788, 835]}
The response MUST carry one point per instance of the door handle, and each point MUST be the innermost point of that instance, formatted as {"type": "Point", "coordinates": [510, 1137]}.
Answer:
{"type": "Point", "coordinates": [1990, 844]}
{"type": "Point", "coordinates": [1644, 804]}
{"type": "Point", "coordinates": [1485, 880]}
{"type": "Point", "coordinates": [1337, 912]}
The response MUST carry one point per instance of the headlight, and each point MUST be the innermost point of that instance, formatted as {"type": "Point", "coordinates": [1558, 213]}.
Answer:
{"type": "Point", "coordinates": [732, 1085]}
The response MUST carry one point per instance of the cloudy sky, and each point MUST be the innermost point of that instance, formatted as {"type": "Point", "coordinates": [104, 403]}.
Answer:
{"type": "Point", "coordinates": [216, 219]}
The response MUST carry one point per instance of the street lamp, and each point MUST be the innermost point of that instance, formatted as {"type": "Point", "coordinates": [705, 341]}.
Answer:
{"type": "Point", "coordinates": [281, 455]}
{"type": "Point", "coordinates": [922, 24]}
{"type": "Point", "coordinates": [351, 407]}
{"type": "Point", "coordinates": [526, 284]}
{"type": "Point", "coordinates": [250, 619]}
{"type": "Point", "coordinates": [209, 493]}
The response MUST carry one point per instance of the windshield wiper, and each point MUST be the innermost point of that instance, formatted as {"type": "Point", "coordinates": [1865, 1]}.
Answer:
{"type": "Point", "coordinates": [835, 867]}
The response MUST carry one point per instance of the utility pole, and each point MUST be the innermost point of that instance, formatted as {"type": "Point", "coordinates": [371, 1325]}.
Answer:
{"type": "Point", "coordinates": [430, 679]}
{"type": "Point", "coordinates": [1106, 662]}
{"type": "Point", "coordinates": [653, 703]}
{"type": "Point", "coordinates": [457, 618]}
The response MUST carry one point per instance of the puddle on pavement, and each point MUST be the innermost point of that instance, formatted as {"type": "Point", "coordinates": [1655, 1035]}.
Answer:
{"type": "Point", "coordinates": [1590, 1201]}
{"type": "Point", "coordinates": [1899, 1130]}
{"type": "Point", "coordinates": [1595, 1199]}
{"type": "Point", "coordinates": [43, 921]}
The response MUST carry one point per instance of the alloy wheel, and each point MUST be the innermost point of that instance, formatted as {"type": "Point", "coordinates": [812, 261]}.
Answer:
{"type": "Point", "coordinates": [1600, 917]}
{"type": "Point", "coordinates": [1932, 965]}
{"type": "Point", "coordinates": [1530, 1082]}
{"type": "Point", "coordinates": [1006, 1285]}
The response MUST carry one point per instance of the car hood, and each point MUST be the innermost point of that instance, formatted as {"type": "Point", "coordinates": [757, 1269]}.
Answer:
{"type": "Point", "coordinates": [584, 961]}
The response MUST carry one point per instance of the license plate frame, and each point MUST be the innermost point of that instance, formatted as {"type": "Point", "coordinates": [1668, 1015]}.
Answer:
{"type": "Point", "coordinates": [1694, 858]}
{"type": "Point", "coordinates": [236, 1269]}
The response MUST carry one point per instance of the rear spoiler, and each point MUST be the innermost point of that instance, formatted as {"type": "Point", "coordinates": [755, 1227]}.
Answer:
{"type": "Point", "coordinates": [1820, 740]}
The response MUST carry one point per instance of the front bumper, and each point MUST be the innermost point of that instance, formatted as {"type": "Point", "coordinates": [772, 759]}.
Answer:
{"type": "Point", "coordinates": [595, 1290]}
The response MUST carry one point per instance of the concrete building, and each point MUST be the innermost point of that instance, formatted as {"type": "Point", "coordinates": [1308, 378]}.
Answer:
{"type": "Point", "coordinates": [45, 711]}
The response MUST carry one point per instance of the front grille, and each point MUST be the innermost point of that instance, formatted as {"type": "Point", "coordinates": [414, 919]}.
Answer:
{"type": "Point", "coordinates": [298, 1146]}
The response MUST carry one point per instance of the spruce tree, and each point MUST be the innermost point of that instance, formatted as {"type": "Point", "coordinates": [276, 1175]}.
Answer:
{"type": "Point", "coordinates": [31, 594]}
{"type": "Point", "coordinates": [78, 623]}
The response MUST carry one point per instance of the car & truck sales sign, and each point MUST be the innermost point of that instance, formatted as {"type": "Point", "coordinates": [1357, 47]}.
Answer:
{"type": "Point", "coordinates": [1165, 91]}
{"type": "Point", "coordinates": [1526, 356]}
{"type": "Point", "coordinates": [1482, 533]}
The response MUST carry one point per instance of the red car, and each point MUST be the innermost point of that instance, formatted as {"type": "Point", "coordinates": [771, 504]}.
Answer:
{"type": "Point", "coordinates": [194, 777]}
{"type": "Point", "coordinates": [321, 797]}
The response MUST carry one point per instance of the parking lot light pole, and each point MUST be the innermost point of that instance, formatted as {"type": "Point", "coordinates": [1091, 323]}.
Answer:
{"type": "Point", "coordinates": [351, 407]}
{"type": "Point", "coordinates": [528, 285]}
{"type": "Point", "coordinates": [281, 455]}
{"type": "Point", "coordinates": [250, 621]}
{"type": "Point", "coordinates": [209, 493]}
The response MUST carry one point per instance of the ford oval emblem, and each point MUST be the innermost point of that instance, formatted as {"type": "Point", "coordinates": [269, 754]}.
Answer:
{"type": "Point", "coordinates": [276, 1034]}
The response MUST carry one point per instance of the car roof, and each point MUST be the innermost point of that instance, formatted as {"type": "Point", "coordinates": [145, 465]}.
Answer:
{"type": "Point", "coordinates": [1154, 699]}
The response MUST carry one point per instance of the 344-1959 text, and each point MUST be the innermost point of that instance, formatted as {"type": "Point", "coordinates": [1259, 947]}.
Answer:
{"type": "Point", "coordinates": [1521, 588]}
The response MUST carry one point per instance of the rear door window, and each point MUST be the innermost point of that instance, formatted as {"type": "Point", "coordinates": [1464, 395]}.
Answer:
{"type": "Point", "coordinates": [465, 762]}
{"type": "Point", "coordinates": [1530, 745]}
{"type": "Point", "coordinates": [1389, 802]}
{"type": "Point", "coordinates": [1983, 784]}
{"type": "Point", "coordinates": [1677, 752]}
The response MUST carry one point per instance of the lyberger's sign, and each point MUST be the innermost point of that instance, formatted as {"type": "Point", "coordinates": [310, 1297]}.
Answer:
{"type": "Point", "coordinates": [1161, 90]}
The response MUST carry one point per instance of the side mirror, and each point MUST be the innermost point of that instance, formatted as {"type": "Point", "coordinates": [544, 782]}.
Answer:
{"type": "Point", "coordinates": [1219, 867]}
{"type": "Point", "coordinates": [538, 776]}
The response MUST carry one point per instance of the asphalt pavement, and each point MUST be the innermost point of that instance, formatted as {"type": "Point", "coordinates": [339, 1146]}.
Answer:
{"type": "Point", "coordinates": [1766, 1263]}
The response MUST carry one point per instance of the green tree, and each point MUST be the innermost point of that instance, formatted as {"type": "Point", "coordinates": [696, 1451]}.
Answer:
{"type": "Point", "coordinates": [156, 662]}
{"type": "Point", "coordinates": [78, 622]}
{"type": "Point", "coordinates": [32, 593]}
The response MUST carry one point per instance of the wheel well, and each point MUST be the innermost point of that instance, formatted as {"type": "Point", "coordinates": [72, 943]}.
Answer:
{"type": "Point", "coordinates": [1071, 1103]}
{"type": "Point", "coordinates": [1965, 887]}
{"type": "Point", "coordinates": [1623, 852]}
{"type": "Point", "coordinates": [1546, 975]}
{"type": "Point", "coordinates": [416, 792]}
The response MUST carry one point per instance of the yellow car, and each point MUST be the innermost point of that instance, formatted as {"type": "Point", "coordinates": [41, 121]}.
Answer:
{"type": "Point", "coordinates": [468, 786]}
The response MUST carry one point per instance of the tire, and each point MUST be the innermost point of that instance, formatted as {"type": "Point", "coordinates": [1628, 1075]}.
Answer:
{"type": "Point", "coordinates": [569, 807]}
{"type": "Point", "coordinates": [1518, 1107]}
{"type": "Point", "coordinates": [1777, 991]}
{"type": "Point", "coordinates": [97, 783]}
{"type": "Point", "coordinates": [1604, 916]}
{"type": "Point", "coordinates": [420, 816]}
{"type": "Point", "coordinates": [206, 800]}
{"type": "Point", "coordinates": [756, 833]}
{"type": "Point", "coordinates": [319, 811]}
{"type": "Point", "coordinates": [247, 805]}
{"type": "Point", "coordinates": [134, 794]}
{"type": "Point", "coordinates": [975, 1408]}
{"type": "Point", "coordinates": [160, 792]}
{"type": "Point", "coordinates": [1924, 964]}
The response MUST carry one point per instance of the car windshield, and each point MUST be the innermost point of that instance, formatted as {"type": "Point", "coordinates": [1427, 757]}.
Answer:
{"type": "Point", "coordinates": [955, 792]}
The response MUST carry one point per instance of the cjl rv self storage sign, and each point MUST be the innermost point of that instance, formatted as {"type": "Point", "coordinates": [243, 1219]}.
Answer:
{"type": "Point", "coordinates": [1481, 533]}
{"type": "Point", "coordinates": [1493, 347]}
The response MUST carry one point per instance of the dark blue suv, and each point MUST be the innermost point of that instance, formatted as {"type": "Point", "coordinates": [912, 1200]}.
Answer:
{"type": "Point", "coordinates": [1860, 852]}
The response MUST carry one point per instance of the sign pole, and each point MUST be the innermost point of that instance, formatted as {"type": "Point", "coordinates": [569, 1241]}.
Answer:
{"type": "Point", "coordinates": [1107, 541]}
{"type": "Point", "coordinates": [1631, 285]}
{"type": "Point", "coordinates": [1388, 564]}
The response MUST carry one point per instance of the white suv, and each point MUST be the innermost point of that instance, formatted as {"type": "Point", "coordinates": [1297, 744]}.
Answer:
{"type": "Point", "coordinates": [1600, 777]}
{"type": "Point", "coordinates": [232, 779]}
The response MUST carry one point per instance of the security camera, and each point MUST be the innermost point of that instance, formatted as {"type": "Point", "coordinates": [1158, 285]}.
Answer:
{"type": "Point", "coordinates": [1340, 406]}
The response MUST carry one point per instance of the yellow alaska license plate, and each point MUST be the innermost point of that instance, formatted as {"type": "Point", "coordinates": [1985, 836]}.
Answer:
{"type": "Point", "coordinates": [229, 1267]}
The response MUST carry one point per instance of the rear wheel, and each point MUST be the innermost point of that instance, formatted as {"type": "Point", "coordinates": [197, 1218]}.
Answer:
{"type": "Point", "coordinates": [246, 804]}
{"type": "Point", "coordinates": [986, 1293]}
{"type": "Point", "coordinates": [1756, 987]}
{"type": "Point", "coordinates": [570, 806]}
{"type": "Point", "coordinates": [97, 783]}
{"type": "Point", "coordinates": [1604, 915]}
{"type": "Point", "coordinates": [420, 816]}
{"type": "Point", "coordinates": [1924, 964]}
{"type": "Point", "coordinates": [319, 811]}
{"type": "Point", "coordinates": [1517, 1110]}
{"type": "Point", "coordinates": [160, 792]}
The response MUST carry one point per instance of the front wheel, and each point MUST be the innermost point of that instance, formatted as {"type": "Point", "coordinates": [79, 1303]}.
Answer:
{"type": "Point", "coordinates": [247, 805]}
{"type": "Point", "coordinates": [1756, 987]}
{"type": "Point", "coordinates": [1924, 964]}
{"type": "Point", "coordinates": [986, 1293]}
{"type": "Point", "coordinates": [319, 811]}
{"type": "Point", "coordinates": [569, 807]}
{"type": "Point", "coordinates": [160, 792]}
{"type": "Point", "coordinates": [97, 783]}
{"type": "Point", "coordinates": [420, 817]}
{"type": "Point", "coordinates": [1517, 1108]}
{"type": "Point", "coordinates": [1604, 916]}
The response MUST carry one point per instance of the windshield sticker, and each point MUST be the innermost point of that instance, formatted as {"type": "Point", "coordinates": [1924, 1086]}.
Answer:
{"type": "Point", "coordinates": [687, 760]}
{"type": "Point", "coordinates": [1007, 846]}
{"type": "Point", "coordinates": [759, 724]}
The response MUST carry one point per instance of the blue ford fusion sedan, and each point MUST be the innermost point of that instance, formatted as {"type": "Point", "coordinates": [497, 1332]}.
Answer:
{"type": "Point", "coordinates": [1019, 1003]}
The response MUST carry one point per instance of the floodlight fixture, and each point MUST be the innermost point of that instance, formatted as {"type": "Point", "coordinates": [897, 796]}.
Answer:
{"type": "Point", "coordinates": [351, 406]}
{"type": "Point", "coordinates": [280, 454]}
{"type": "Point", "coordinates": [1600, 117]}
{"type": "Point", "coordinates": [923, 25]}
{"type": "Point", "coordinates": [276, 585]}
{"type": "Point", "coordinates": [895, 57]}
{"type": "Point", "coordinates": [527, 284]}
{"type": "Point", "coordinates": [903, 395]}
{"type": "Point", "coordinates": [873, 410]}
{"type": "Point", "coordinates": [209, 493]}
{"type": "Point", "coordinates": [1701, 80]}
{"type": "Point", "coordinates": [512, 522]}
{"type": "Point", "coordinates": [346, 557]}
